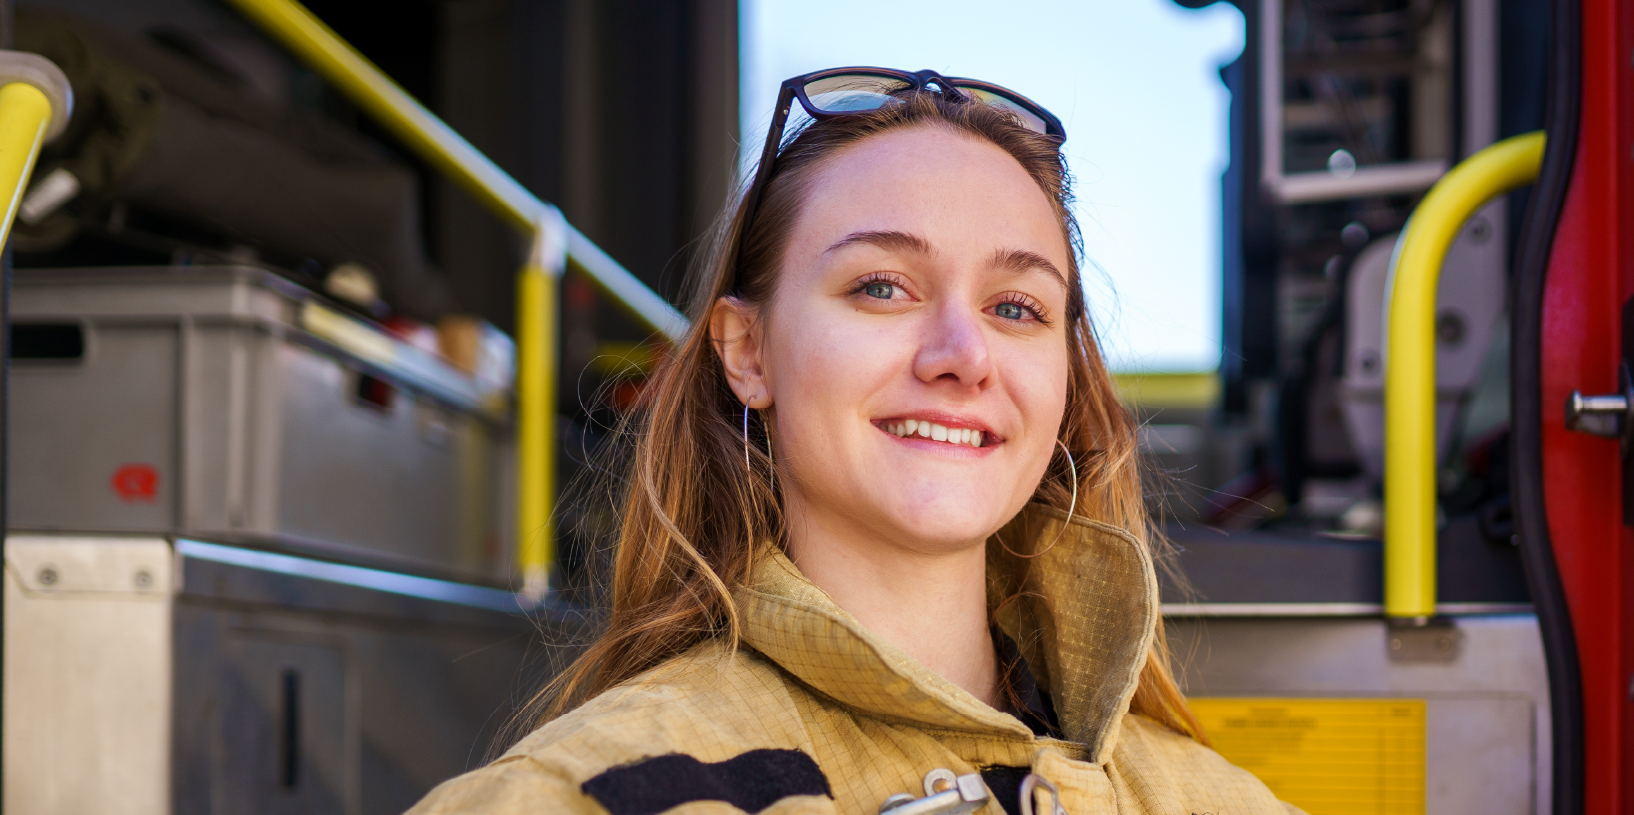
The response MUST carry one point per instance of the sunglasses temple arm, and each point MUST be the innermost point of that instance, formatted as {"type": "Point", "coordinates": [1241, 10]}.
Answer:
{"type": "Point", "coordinates": [780, 120]}
{"type": "Point", "coordinates": [768, 154]}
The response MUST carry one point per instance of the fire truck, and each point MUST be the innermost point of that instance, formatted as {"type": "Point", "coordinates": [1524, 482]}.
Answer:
{"type": "Point", "coordinates": [286, 532]}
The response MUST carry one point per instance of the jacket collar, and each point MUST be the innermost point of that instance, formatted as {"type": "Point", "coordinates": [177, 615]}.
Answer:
{"type": "Point", "coordinates": [1083, 614]}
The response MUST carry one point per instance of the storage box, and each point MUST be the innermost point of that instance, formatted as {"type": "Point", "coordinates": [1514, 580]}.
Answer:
{"type": "Point", "coordinates": [144, 675]}
{"type": "Point", "coordinates": [227, 403]}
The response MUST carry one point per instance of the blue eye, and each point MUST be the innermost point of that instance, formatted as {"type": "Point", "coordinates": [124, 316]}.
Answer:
{"type": "Point", "coordinates": [880, 290]}
{"type": "Point", "coordinates": [1010, 311]}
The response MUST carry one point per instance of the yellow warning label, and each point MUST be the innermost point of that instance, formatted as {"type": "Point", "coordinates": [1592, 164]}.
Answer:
{"type": "Point", "coordinates": [1326, 756]}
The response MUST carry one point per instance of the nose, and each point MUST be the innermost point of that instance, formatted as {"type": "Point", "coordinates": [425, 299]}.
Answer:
{"type": "Point", "coordinates": [954, 348]}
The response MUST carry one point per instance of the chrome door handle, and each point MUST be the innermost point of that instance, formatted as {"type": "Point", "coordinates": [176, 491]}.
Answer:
{"type": "Point", "coordinates": [1605, 415]}
{"type": "Point", "coordinates": [1610, 415]}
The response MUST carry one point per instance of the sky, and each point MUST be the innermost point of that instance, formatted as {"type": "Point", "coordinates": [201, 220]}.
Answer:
{"type": "Point", "coordinates": [1135, 83]}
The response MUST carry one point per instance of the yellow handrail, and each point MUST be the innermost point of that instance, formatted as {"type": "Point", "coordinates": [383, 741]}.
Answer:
{"type": "Point", "coordinates": [1409, 377]}
{"type": "Point", "coordinates": [366, 85]}
{"type": "Point", "coordinates": [557, 245]}
{"type": "Point", "coordinates": [25, 116]}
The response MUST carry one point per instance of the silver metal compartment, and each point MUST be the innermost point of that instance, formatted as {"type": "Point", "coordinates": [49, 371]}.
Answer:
{"type": "Point", "coordinates": [1486, 697]}
{"type": "Point", "coordinates": [149, 676]}
{"type": "Point", "coordinates": [223, 402]}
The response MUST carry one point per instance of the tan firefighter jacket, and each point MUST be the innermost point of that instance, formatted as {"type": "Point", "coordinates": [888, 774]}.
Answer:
{"type": "Point", "coordinates": [814, 714]}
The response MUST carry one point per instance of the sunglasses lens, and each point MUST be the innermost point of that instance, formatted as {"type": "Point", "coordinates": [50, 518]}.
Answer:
{"type": "Point", "coordinates": [848, 93]}
{"type": "Point", "coordinates": [1029, 119]}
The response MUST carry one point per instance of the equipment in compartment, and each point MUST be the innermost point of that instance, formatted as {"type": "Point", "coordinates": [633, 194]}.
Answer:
{"type": "Point", "coordinates": [187, 150]}
{"type": "Point", "coordinates": [1343, 113]}
{"type": "Point", "coordinates": [1469, 317]}
{"type": "Point", "coordinates": [1359, 96]}
{"type": "Point", "coordinates": [226, 403]}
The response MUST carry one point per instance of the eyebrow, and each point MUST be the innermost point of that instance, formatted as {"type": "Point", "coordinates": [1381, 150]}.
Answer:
{"type": "Point", "coordinates": [1020, 261]}
{"type": "Point", "coordinates": [890, 240]}
{"type": "Point", "coordinates": [1015, 261]}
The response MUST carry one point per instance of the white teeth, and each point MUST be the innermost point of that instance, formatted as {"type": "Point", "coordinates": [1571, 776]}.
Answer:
{"type": "Point", "coordinates": [936, 432]}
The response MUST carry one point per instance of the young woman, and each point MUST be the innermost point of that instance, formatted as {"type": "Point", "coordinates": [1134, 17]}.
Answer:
{"type": "Point", "coordinates": [884, 545]}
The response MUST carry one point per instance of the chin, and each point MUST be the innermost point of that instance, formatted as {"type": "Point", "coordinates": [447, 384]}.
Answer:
{"type": "Point", "coordinates": [951, 523]}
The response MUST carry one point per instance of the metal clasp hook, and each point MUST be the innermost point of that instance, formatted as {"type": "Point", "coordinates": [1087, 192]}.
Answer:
{"type": "Point", "coordinates": [945, 794]}
{"type": "Point", "coordinates": [1031, 783]}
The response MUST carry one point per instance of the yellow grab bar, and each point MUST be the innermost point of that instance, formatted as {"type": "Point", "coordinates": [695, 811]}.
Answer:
{"type": "Point", "coordinates": [536, 312]}
{"type": "Point", "coordinates": [25, 117]}
{"type": "Point", "coordinates": [35, 103]}
{"type": "Point", "coordinates": [325, 52]}
{"type": "Point", "coordinates": [1409, 376]}
{"type": "Point", "coordinates": [556, 246]}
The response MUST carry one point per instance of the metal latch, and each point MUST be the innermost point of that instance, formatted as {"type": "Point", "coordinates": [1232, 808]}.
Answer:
{"type": "Point", "coordinates": [1610, 415]}
{"type": "Point", "coordinates": [1030, 785]}
{"type": "Point", "coordinates": [1436, 640]}
{"type": "Point", "coordinates": [945, 794]}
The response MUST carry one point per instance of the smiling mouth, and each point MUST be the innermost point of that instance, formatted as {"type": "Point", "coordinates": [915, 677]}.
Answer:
{"type": "Point", "coordinates": [905, 428]}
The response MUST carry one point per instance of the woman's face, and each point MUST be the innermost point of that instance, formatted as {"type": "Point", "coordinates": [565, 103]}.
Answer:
{"type": "Point", "coordinates": [914, 352]}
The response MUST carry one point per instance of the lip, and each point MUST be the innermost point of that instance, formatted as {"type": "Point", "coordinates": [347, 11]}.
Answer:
{"type": "Point", "coordinates": [951, 421]}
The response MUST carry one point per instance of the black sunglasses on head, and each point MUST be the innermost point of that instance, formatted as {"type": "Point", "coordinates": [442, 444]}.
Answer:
{"type": "Point", "coordinates": [843, 91]}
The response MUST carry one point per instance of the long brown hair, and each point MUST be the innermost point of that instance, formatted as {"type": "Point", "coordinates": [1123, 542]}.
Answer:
{"type": "Point", "coordinates": [694, 516]}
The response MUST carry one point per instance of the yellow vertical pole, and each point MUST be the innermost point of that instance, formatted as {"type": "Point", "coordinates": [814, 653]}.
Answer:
{"type": "Point", "coordinates": [1409, 373]}
{"type": "Point", "coordinates": [536, 321]}
{"type": "Point", "coordinates": [25, 116]}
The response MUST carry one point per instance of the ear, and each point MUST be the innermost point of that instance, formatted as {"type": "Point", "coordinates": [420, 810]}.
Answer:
{"type": "Point", "coordinates": [734, 328]}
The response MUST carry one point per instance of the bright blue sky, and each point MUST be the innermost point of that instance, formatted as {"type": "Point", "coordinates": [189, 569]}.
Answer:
{"type": "Point", "coordinates": [1137, 86]}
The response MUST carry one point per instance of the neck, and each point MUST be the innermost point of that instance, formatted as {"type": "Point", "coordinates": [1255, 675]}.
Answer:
{"type": "Point", "coordinates": [933, 606]}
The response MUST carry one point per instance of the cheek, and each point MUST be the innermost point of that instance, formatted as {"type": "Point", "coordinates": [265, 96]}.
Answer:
{"type": "Point", "coordinates": [823, 368]}
{"type": "Point", "coordinates": [1038, 388]}
{"type": "Point", "coordinates": [1038, 385]}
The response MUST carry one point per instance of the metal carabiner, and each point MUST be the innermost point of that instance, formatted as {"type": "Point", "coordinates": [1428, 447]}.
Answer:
{"type": "Point", "coordinates": [945, 794]}
{"type": "Point", "coordinates": [1029, 785]}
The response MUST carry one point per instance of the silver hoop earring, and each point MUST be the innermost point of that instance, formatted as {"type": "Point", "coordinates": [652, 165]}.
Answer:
{"type": "Point", "coordinates": [771, 465]}
{"type": "Point", "coordinates": [746, 466]}
{"type": "Point", "coordinates": [1073, 466]}
{"type": "Point", "coordinates": [1071, 508]}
